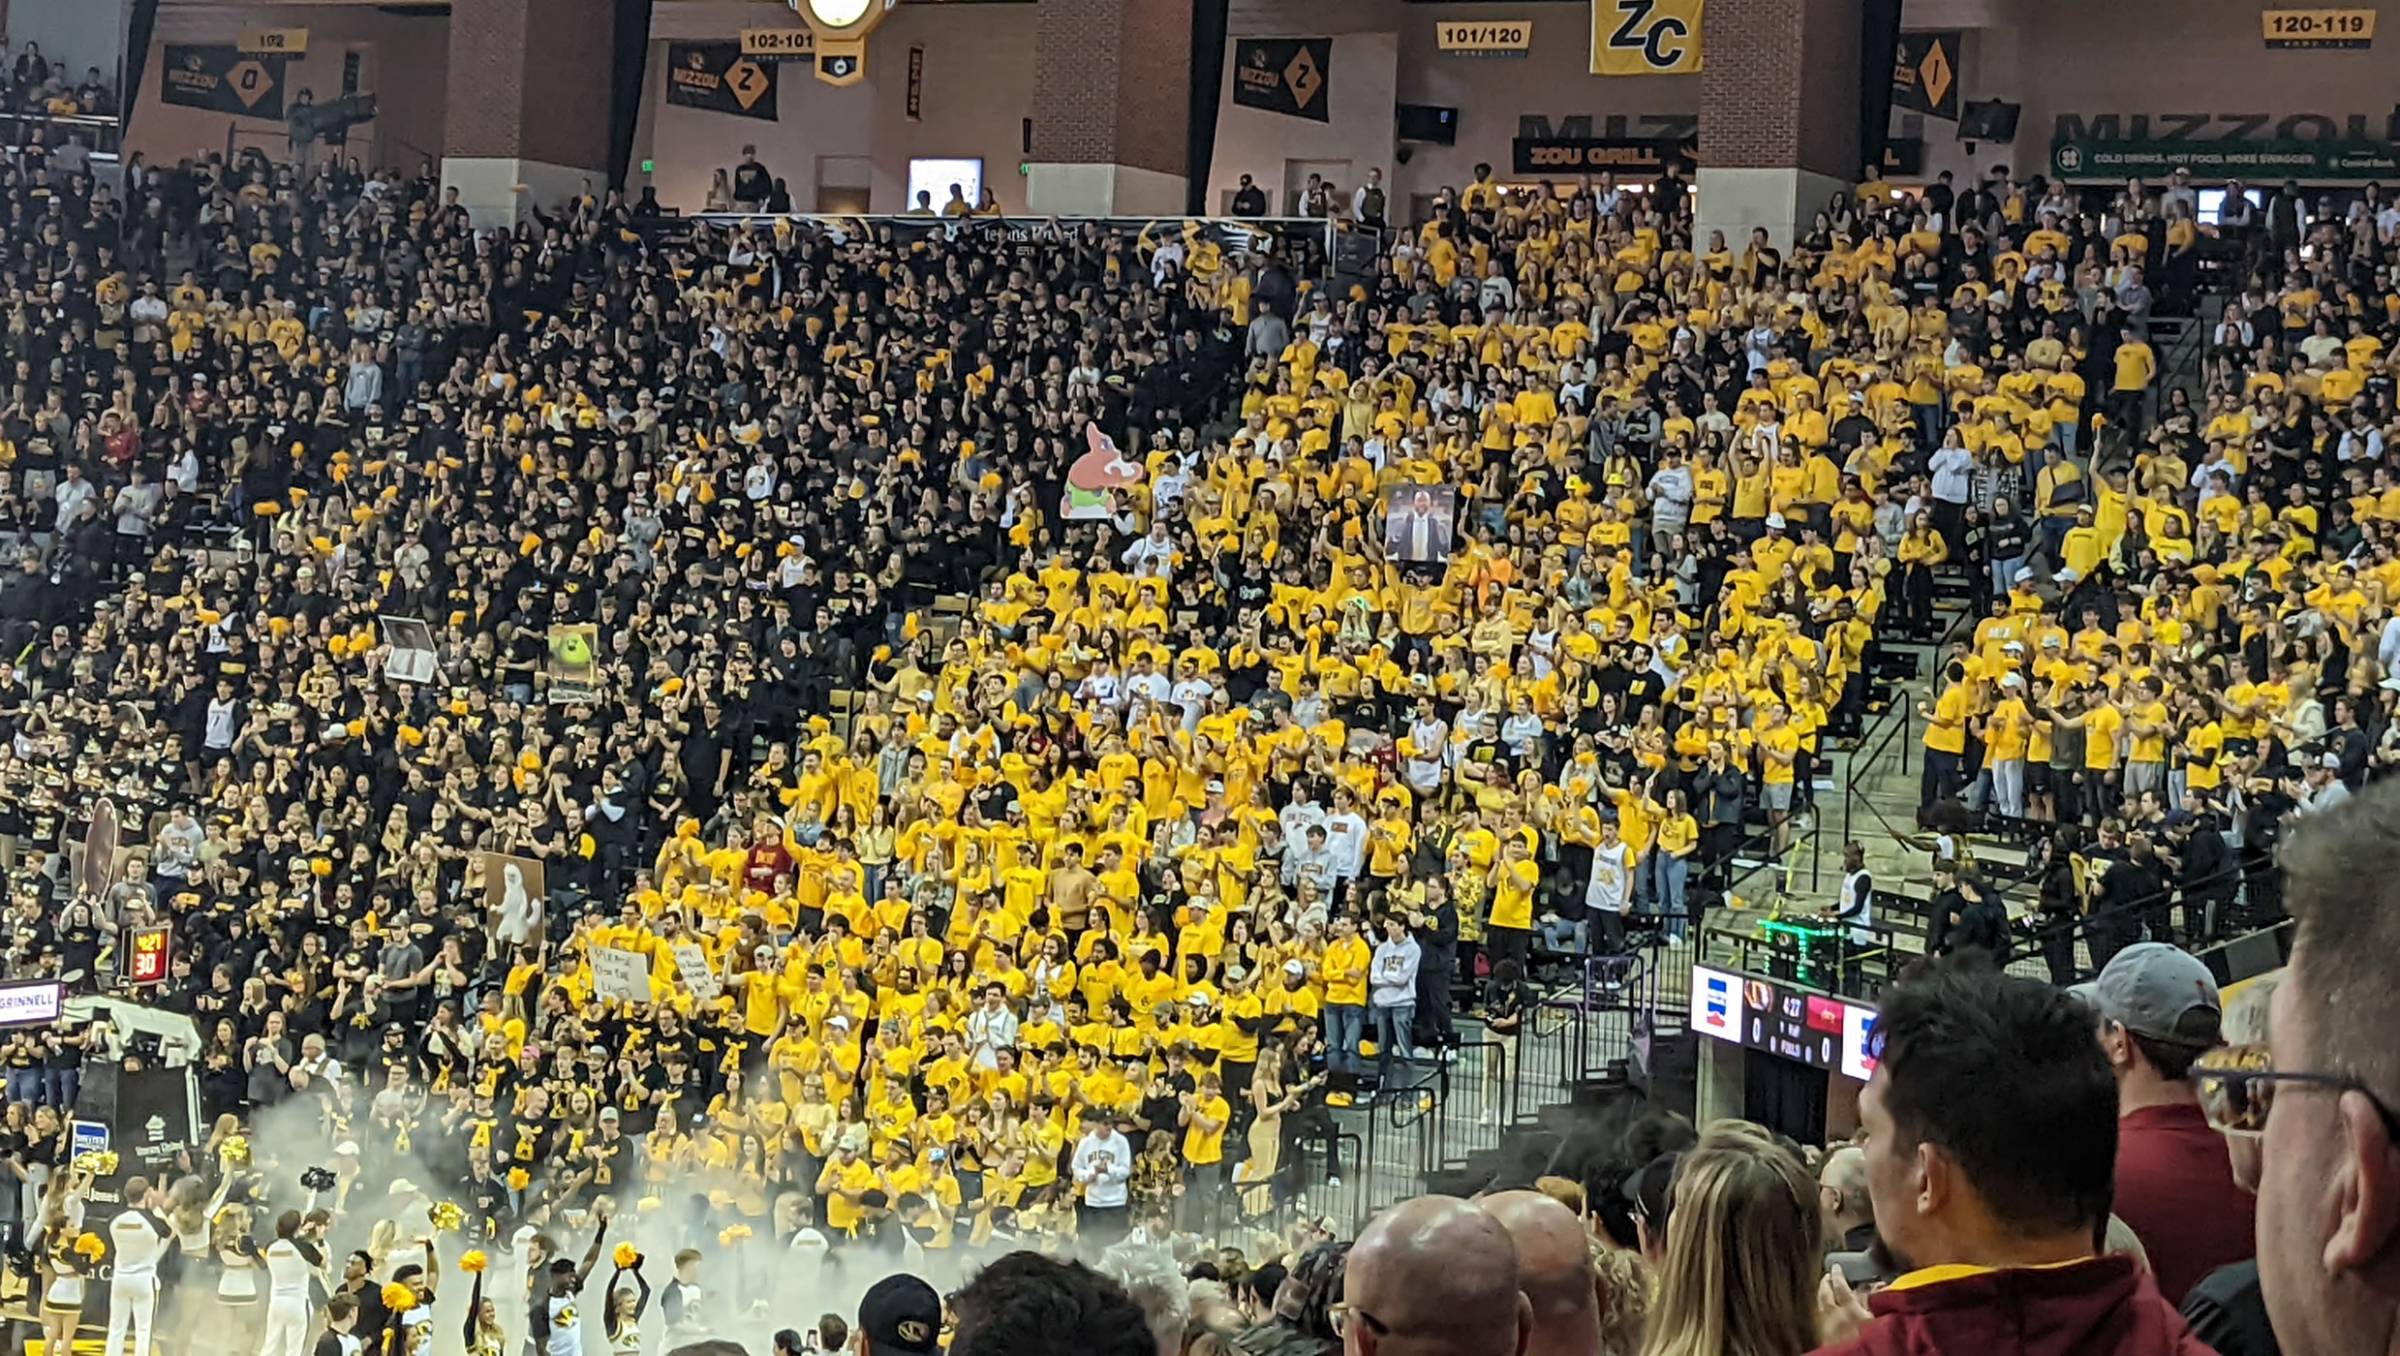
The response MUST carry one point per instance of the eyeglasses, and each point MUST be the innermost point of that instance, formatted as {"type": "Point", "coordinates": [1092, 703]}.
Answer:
{"type": "Point", "coordinates": [2237, 1089]}
{"type": "Point", "coordinates": [1340, 1315]}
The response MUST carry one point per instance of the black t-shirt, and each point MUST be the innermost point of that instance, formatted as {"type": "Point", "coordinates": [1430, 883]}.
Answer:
{"type": "Point", "coordinates": [751, 182]}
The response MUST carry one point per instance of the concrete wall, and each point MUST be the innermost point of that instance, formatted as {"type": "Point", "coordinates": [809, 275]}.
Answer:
{"type": "Point", "coordinates": [1554, 80]}
{"type": "Point", "coordinates": [2074, 56]}
{"type": "Point", "coordinates": [979, 62]}
{"type": "Point", "coordinates": [403, 61]}
{"type": "Point", "coordinates": [80, 34]}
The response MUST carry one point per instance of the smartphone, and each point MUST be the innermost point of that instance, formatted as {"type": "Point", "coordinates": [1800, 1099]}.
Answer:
{"type": "Point", "coordinates": [1858, 1268]}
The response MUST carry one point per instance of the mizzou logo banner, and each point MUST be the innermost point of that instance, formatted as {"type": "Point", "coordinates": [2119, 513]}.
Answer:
{"type": "Point", "coordinates": [1284, 75]}
{"type": "Point", "coordinates": [222, 78]}
{"type": "Point", "coordinates": [718, 77]}
{"type": "Point", "coordinates": [1646, 37]}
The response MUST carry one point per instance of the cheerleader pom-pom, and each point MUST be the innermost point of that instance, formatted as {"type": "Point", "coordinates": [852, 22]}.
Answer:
{"type": "Point", "coordinates": [447, 1217]}
{"type": "Point", "coordinates": [473, 1262]}
{"type": "Point", "coordinates": [519, 1179]}
{"type": "Point", "coordinates": [733, 1234]}
{"type": "Point", "coordinates": [627, 1255]}
{"type": "Point", "coordinates": [89, 1247]}
{"type": "Point", "coordinates": [646, 1204]}
{"type": "Point", "coordinates": [398, 1298]}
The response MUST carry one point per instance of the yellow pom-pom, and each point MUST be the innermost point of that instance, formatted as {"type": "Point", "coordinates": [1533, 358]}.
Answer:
{"type": "Point", "coordinates": [89, 1246]}
{"type": "Point", "coordinates": [733, 1234]}
{"type": "Point", "coordinates": [525, 463]}
{"type": "Point", "coordinates": [362, 515]}
{"type": "Point", "coordinates": [411, 735]}
{"type": "Point", "coordinates": [319, 866]}
{"type": "Point", "coordinates": [518, 1179]}
{"type": "Point", "coordinates": [742, 552]}
{"type": "Point", "coordinates": [322, 545]}
{"type": "Point", "coordinates": [398, 1298]}
{"type": "Point", "coordinates": [473, 1261]}
{"type": "Point", "coordinates": [531, 544]}
{"type": "Point", "coordinates": [209, 616]}
{"type": "Point", "coordinates": [458, 618]}
{"type": "Point", "coordinates": [266, 508]}
{"type": "Point", "coordinates": [279, 627]}
{"type": "Point", "coordinates": [447, 1216]}
{"type": "Point", "coordinates": [627, 1254]}
{"type": "Point", "coordinates": [356, 728]}
{"type": "Point", "coordinates": [530, 761]}
{"type": "Point", "coordinates": [990, 481]}
{"type": "Point", "coordinates": [670, 687]}
{"type": "Point", "coordinates": [337, 646]}
{"type": "Point", "coordinates": [647, 1204]}
{"type": "Point", "coordinates": [458, 707]}
{"type": "Point", "coordinates": [784, 550]}
{"type": "Point", "coordinates": [298, 496]}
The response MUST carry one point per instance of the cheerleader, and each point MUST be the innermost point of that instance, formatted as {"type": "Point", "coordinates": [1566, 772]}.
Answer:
{"type": "Point", "coordinates": [67, 1260]}
{"type": "Point", "coordinates": [626, 1303]}
{"type": "Point", "coordinates": [483, 1334]}
{"type": "Point", "coordinates": [241, 1272]}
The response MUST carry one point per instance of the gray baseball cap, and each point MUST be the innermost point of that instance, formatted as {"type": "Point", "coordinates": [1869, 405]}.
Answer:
{"type": "Point", "coordinates": [2159, 991]}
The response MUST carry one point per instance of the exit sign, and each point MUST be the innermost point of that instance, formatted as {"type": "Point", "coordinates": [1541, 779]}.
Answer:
{"type": "Point", "coordinates": [648, 166]}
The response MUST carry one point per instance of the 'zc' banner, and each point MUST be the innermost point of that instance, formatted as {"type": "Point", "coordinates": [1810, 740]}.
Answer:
{"type": "Point", "coordinates": [716, 76]}
{"type": "Point", "coordinates": [223, 78]}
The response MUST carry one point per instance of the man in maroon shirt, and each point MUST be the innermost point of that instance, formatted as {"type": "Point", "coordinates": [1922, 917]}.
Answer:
{"type": "Point", "coordinates": [2158, 1010]}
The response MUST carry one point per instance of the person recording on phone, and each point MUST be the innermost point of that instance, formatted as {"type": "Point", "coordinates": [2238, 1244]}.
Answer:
{"type": "Point", "coordinates": [1103, 1164]}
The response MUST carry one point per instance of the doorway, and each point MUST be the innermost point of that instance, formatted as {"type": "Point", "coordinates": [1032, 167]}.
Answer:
{"type": "Point", "coordinates": [1295, 180]}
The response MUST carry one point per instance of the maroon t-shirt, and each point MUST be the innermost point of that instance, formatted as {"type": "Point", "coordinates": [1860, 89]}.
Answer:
{"type": "Point", "coordinates": [2175, 1187]}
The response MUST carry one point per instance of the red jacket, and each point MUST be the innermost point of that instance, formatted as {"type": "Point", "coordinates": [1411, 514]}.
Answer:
{"type": "Point", "coordinates": [2104, 1307]}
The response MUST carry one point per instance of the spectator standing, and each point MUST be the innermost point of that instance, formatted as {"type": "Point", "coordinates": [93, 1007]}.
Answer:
{"type": "Point", "coordinates": [2000, 1229]}
{"type": "Point", "coordinates": [1393, 993]}
{"type": "Point", "coordinates": [2158, 1011]}
{"type": "Point", "coordinates": [751, 182]}
{"type": "Point", "coordinates": [2323, 1088]}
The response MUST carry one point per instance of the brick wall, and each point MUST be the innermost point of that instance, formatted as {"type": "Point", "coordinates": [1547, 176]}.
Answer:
{"type": "Point", "coordinates": [528, 79]}
{"type": "Point", "coordinates": [1780, 87]}
{"type": "Point", "coordinates": [1112, 83]}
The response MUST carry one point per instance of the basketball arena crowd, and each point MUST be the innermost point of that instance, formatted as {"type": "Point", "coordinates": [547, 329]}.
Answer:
{"type": "Point", "coordinates": [646, 739]}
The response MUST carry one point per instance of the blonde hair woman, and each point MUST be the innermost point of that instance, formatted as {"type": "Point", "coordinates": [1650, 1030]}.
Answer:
{"type": "Point", "coordinates": [1739, 1274]}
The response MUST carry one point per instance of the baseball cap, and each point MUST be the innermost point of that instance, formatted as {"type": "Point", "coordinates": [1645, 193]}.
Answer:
{"type": "Point", "coordinates": [901, 1313]}
{"type": "Point", "coordinates": [2159, 991]}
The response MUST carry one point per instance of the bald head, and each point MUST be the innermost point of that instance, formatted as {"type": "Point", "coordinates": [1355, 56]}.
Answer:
{"type": "Point", "coordinates": [1434, 1275]}
{"type": "Point", "coordinates": [1844, 1179]}
{"type": "Point", "coordinates": [1554, 1270]}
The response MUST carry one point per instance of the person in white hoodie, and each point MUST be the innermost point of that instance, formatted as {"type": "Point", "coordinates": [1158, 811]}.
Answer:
{"type": "Point", "coordinates": [1392, 993]}
{"type": "Point", "coordinates": [1103, 1163]}
{"type": "Point", "coordinates": [137, 1239]}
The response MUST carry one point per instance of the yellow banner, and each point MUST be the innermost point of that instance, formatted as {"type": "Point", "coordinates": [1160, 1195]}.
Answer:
{"type": "Point", "coordinates": [1485, 37]}
{"type": "Point", "coordinates": [2291, 28]}
{"type": "Point", "coordinates": [779, 42]}
{"type": "Point", "coordinates": [274, 41]}
{"type": "Point", "coordinates": [1646, 37]}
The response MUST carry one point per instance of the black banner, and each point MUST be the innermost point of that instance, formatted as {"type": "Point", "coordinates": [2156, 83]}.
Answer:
{"type": "Point", "coordinates": [716, 76]}
{"type": "Point", "coordinates": [1595, 155]}
{"type": "Point", "coordinates": [1284, 75]}
{"type": "Point", "coordinates": [1904, 158]}
{"type": "Point", "coordinates": [223, 79]}
{"type": "Point", "coordinates": [1925, 73]}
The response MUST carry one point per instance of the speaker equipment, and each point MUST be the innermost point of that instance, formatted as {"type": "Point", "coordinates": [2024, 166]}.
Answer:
{"type": "Point", "coordinates": [1429, 122]}
{"type": "Point", "coordinates": [1989, 120]}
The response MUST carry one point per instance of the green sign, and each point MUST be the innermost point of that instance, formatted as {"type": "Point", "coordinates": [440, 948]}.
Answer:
{"type": "Point", "coordinates": [2092, 159]}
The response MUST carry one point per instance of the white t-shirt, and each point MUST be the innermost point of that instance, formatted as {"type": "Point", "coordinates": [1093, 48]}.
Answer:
{"type": "Point", "coordinates": [1611, 875]}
